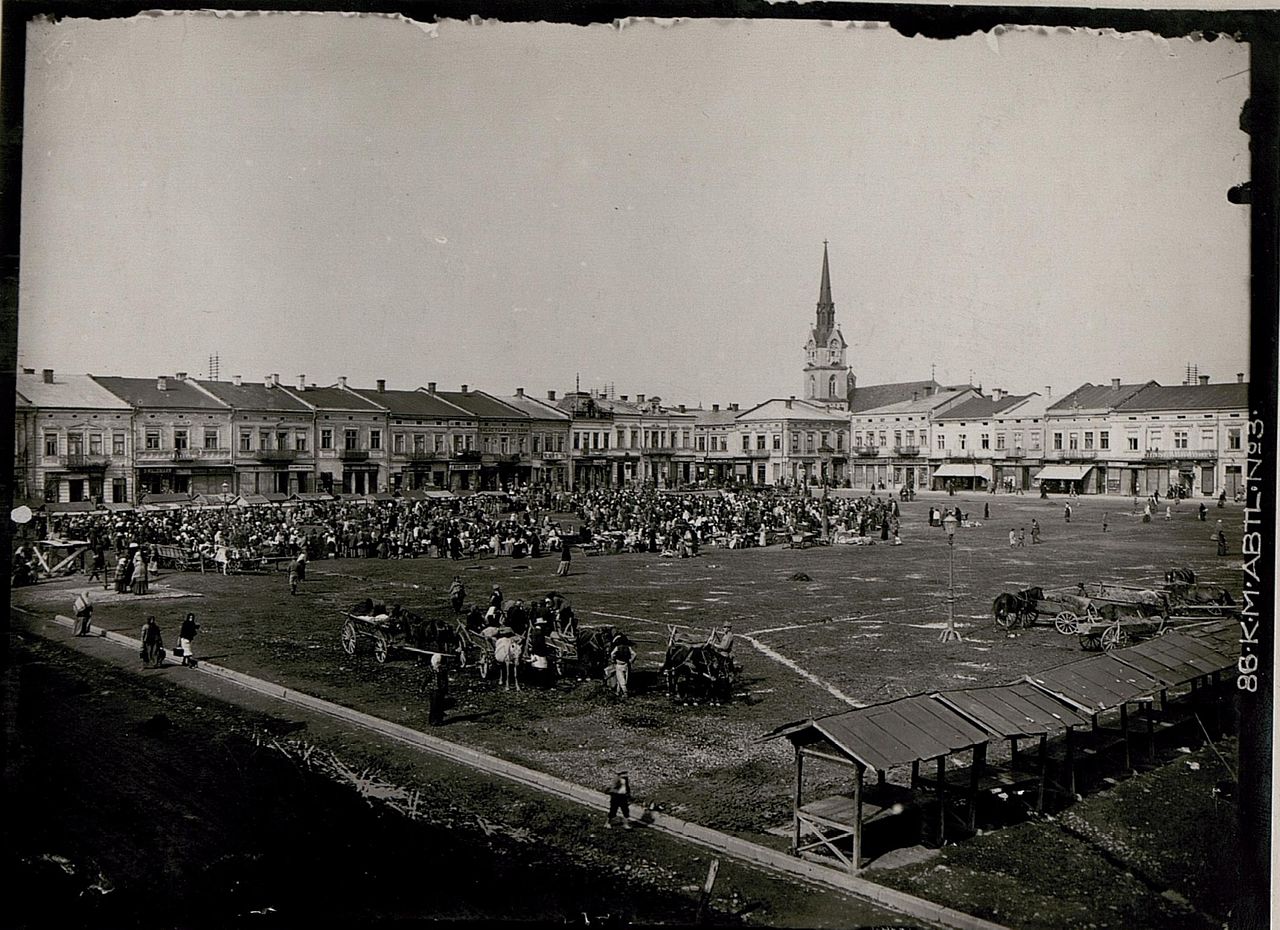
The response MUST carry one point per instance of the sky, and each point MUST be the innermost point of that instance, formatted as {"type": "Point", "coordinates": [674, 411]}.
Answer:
{"type": "Point", "coordinates": [523, 205]}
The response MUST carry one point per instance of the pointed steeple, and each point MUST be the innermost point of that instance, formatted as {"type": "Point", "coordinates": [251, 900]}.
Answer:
{"type": "Point", "coordinates": [826, 307]}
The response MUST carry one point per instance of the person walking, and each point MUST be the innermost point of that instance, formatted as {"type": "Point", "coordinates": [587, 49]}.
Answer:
{"type": "Point", "coordinates": [1203, 513]}
{"type": "Point", "coordinates": [1022, 538]}
{"type": "Point", "coordinates": [566, 557]}
{"type": "Point", "coordinates": [620, 800]}
{"type": "Point", "coordinates": [98, 568]}
{"type": "Point", "coordinates": [84, 614]}
{"type": "Point", "coordinates": [152, 644]}
{"type": "Point", "coordinates": [1168, 513]}
{"type": "Point", "coordinates": [295, 576]}
{"type": "Point", "coordinates": [186, 633]}
{"type": "Point", "coordinates": [1066, 512]}
{"type": "Point", "coordinates": [1013, 538]}
{"type": "Point", "coordinates": [1222, 542]}
{"type": "Point", "coordinates": [1104, 522]}
{"type": "Point", "coordinates": [457, 594]}
{"type": "Point", "coordinates": [1035, 531]}
{"type": "Point", "coordinates": [140, 573]}
{"type": "Point", "coordinates": [986, 512]}
{"type": "Point", "coordinates": [621, 655]}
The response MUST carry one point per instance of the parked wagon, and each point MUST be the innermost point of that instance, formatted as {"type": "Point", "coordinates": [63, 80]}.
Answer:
{"type": "Point", "coordinates": [395, 630]}
{"type": "Point", "coordinates": [586, 650]}
{"type": "Point", "coordinates": [475, 650]}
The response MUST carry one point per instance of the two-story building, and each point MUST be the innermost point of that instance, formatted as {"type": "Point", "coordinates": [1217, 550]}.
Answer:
{"type": "Point", "coordinates": [988, 440]}
{"type": "Point", "coordinates": [617, 441]}
{"type": "Point", "coordinates": [272, 435]}
{"type": "Point", "coordinates": [795, 442]}
{"type": "Point", "coordinates": [349, 437]}
{"type": "Point", "coordinates": [1190, 436]}
{"type": "Point", "coordinates": [596, 460]}
{"type": "Point", "coordinates": [424, 430]}
{"type": "Point", "coordinates": [181, 435]}
{"type": "Point", "coordinates": [892, 441]}
{"type": "Point", "coordinates": [1082, 450]}
{"type": "Point", "coordinates": [718, 446]}
{"type": "Point", "coordinates": [502, 441]}
{"type": "Point", "coordinates": [73, 440]}
{"type": "Point", "coordinates": [549, 438]}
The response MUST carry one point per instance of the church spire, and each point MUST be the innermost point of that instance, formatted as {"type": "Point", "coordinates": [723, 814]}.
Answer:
{"type": "Point", "coordinates": [826, 307]}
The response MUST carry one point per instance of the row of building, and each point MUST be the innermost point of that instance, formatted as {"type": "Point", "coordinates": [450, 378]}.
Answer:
{"type": "Point", "coordinates": [117, 439]}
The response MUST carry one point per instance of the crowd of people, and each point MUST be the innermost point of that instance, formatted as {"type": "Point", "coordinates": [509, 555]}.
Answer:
{"type": "Point", "coordinates": [519, 525]}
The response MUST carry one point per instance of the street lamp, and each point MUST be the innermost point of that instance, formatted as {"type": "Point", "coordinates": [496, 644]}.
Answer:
{"type": "Point", "coordinates": [949, 523]}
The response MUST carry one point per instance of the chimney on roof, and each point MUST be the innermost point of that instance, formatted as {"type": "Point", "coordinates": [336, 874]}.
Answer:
{"type": "Point", "coordinates": [915, 395]}
{"type": "Point", "coordinates": [789, 400]}
{"type": "Point", "coordinates": [46, 375]}
{"type": "Point", "coordinates": [1115, 384]}
{"type": "Point", "coordinates": [302, 382]}
{"type": "Point", "coordinates": [519, 392]}
{"type": "Point", "coordinates": [181, 376]}
{"type": "Point", "coordinates": [235, 379]}
{"type": "Point", "coordinates": [1048, 391]}
{"type": "Point", "coordinates": [342, 381]}
{"type": "Point", "coordinates": [162, 383]}
{"type": "Point", "coordinates": [382, 385]}
{"type": "Point", "coordinates": [928, 390]}
{"type": "Point", "coordinates": [464, 389]}
{"type": "Point", "coordinates": [551, 395]}
{"type": "Point", "coordinates": [733, 406]}
{"type": "Point", "coordinates": [1239, 377]}
{"type": "Point", "coordinates": [715, 408]}
{"type": "Point", "coordinates": [267, 381]}
{"type": "Point", "coordinates": [996, 394]}
{"type": "Point", "coordinates": [275, 379]}
{"type": "Point", "coordinates": [1204, 379]}
{"type": "Point", "coordinates": [682, 408]}
{"type": "Point", "coordinates": [623, 398]}
{"type": "Point", "coordinates": [431, 387]}
{"type": "Point", "coordinates": [639, 398]}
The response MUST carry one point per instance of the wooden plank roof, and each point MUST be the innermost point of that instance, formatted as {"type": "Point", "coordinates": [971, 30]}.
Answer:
{"type": "Point", "coordinates": [1009, 711]}
{"type": "Point", "coordinates": [895, 733]}
{"type": "Point", "coordinates": [1097, 683]}
{"type": "Point", "coordinates": [1223, 636]}
{"type": "Point", "coordinates": [1175, 659]}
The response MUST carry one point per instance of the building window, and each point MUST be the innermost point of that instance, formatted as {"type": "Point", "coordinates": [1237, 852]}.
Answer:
{"type": "Point", "coordinates": [438, 442]}
{"type": "Point", "coordinates": [840, 441]}
{"type": "Point", "coordinates": [264, 439]}
{"type": "Point", "coordinates": [117, 445]}
{"type": "Point", "coordinates": [119, 491]}
{"type": "Point", "coordinates": [326, 439]}
{"type": "Point", "coordinates": [1133, 442]}
{"type": "Point", "coordinates": [795, 442]}
{"type": "Point", "coordinates": [419, 443]}
{"type": "Point", "coordinates": [857, 438]}
{"type": "Point", "coordinates": [179, 439]}
{"type": "Point", "coordinates": [702, 443]}
{"type": "Point", "coordinates": [1088, 440]}
{"type": "Point", "coordinates": [1153, 439]}
{"type": "Point", "coordinates": [577, 441]}
{"type": "Point", "coordinates": [246, 440]}
{"type": "Point", "coordinates": [897, 438]}
{"type": "Point", "coordinates": [211, 439]}
{"type": "Point", "coordinates": [282, 441]}
{"type": "Point", "coordinates": [808, 442]}
{"type": "Point", "coordinates": [746, 443]}
{"type": "Point", "coordinates": [300, 441]}
{"type": "Point", "coordinates": [1104, 439]}
{"type": "Point", "coordinates": [504, 443]}
{"type": "Point", "coordinates": [1233, 439]}
{"type": "Point", "coordinates": [1180, 439]}
{"type": "Point", "coordinates": [1057, 440]}
{"type": "Point", "coordinates": [375, 439]}
{"type": "Point", "coordinates": [51, 447]}
{"type": "Point", "coordinates": [457, 443]}
{"type": "Point", "coordinates": [986, 440]}
{"type": "Point", "coordinates": [999, 440]}
{"type": "Point", "coordinates": [95, 444]}
{"type": "Point", "coordinates": [152, 439]}
{"type": "Point", "coordinates": [537, 443]}
{"type": "Point", "coordinates": [397, 443]}
{"type": "Point", "coordinates": [826, 441]}
{"type": "Point", "coordinates": [942, 441]}
{"type": "Point", "coordinates": [777, 442]}
{"type": "Point", "coordinates": [75, 444]}
{"type": "Point", "coordinates": [351, 439]}
{"type": "Point", "coordinates": [1073, 441]}
{"type": "Point", "coordinates": [964, 440]}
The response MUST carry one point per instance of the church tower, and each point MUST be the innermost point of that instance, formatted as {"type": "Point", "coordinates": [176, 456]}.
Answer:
{"type": "Point", "coordinates": [827, 379]}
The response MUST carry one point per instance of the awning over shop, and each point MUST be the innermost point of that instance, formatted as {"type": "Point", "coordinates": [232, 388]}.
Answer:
{"type": "Point", "coordinates": [55, 508]}
{"type": "Point", "coordinates": [1062, 473]}
{"type": "Point", "coordinates": [963, 470]}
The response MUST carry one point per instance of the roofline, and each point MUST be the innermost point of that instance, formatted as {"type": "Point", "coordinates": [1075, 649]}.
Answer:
{"type": "Point", "coordinates": [295, 393]}
{"type": "Point", "coordinates": [131, 405]}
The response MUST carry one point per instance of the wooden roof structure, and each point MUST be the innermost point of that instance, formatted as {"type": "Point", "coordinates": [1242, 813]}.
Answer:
{"type": "Point", "coordinates": [1096, 684]}
{"type": "Point", "coordinates": [1175, 659]}
{"type": "Point", "coordinates": [1013, 711]}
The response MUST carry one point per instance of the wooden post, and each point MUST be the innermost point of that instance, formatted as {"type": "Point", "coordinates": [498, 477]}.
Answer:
{"type": "Point", "coordinates": [1013, 752]}
{"type": "Point", "coordinates": [975, 773]}
{"type": "Point", "coordinates": [1124, 733]}
{"type": "Point", "coordinates": [915, 773]}
{"type": "Point", "coordinates": [705, 898]}
{"type": "Point", "coordinates": [1215, 697]}
{"type": "Point", "coordinates": [880, 779]}
{"type": "Point", "coordinates": [1044, 766]}
{"type": "Point", "coordinates": [1164, 699]}
{"type": "Point", "coordinates": [1071, 761]}
{"type": "Point", "coordinates": [795, 837]}
{"type": "Point", "coordinates": [856, 862]}
{"type": "Point", "coordinates": [942, 799]}
{"type": "Point", "coordinates": [1093, 719]}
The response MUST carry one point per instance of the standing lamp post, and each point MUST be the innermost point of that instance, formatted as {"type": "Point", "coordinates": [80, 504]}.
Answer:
{"type": "Point", "coordinates": [949, 523]}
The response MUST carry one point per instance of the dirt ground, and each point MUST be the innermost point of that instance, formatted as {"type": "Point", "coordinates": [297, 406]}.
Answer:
{"type": "Point", "coordinates": [144, 803]}
{"type": "Point", "coordinates": [865, 627]}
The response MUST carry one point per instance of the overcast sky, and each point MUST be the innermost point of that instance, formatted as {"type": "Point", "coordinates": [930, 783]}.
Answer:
{"type": "Point", "coordinates": [510, 205]}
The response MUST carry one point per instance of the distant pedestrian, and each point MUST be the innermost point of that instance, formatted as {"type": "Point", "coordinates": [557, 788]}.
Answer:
{"type": "Point", "coordinates": [84, 614]}
{"type": "Point", "coordinates": [122, 575]}
{"type": "Point", "coordinates": [1203, 513]}
{"type": "Point", "coordinates": [98, 567]}
{"type": "Point", "coordinates": [566, 556]}
{"type": "Point", "coordinates": [457, 594]}
{"type": "Point", "coordinates": [986, 511]}
{"type": "Point", "coordinates": [297, 572]}
{"type": "Point", "coordinates": [1022, 538]}
{"type": "Point", "coordinates": [1035, 531]}
{"type": "Point", "coordinates": [1104, 522]}
{"type": "Point", "coordinates": [1013, 538]}
{"type": "Point", "coordinates": [621, 655]}
{"type": "Point", "coordinates": [620, 800]}
{"type": "Point", "coordinates": [186, 633]}
{"type": "Point", "coordinates": [152, 644]}
{"type": "Point", "coordinates": [1066, 512]}
{"type": "Point", "coordinates": [140, 574]}
{"type": "Point", "coordinates": [1222, 542]}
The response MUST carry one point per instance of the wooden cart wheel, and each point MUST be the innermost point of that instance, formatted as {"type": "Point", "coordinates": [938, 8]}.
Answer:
{"type": "Point", "coordinates": [381, 646]}
{"type": "Point", "coordinates": [1029, 618]}
{"type": "Point", "coordinates": [484, 665]}
{"type": "Point", "coordinates": [1005, 619]}
{"type": "Point", "coordinates": [1113, 637]}
{"type": "Point", "coordinates": [349, 638]}
{"type": "Point", "coordinates": [1066, 623]}
{"type": "Point", "coordinates": [1089, 643]}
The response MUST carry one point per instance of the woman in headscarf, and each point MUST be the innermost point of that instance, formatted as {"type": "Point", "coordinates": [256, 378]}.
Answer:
{"type": "Point", "coordinates": [139, 573]}
{"type": "Point", "coordinates": [152, 644]}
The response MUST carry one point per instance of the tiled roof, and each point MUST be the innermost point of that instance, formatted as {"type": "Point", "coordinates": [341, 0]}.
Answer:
{"type": "Point", "coordinates": [777, 409]}
{"type": "Point", "coordinates": [535, 408]}
{"type": "Point", "coordinates": [1189, 397]}
{"type": "Point", "coordinates": [865, 397]}
{"type": "Point", "coordinates": [414, 404]}
{"type": "Point", "coordinates": [254, 396]}
{"type": "Point", "coordinates": [145, 392]}
{"type": "Point", "coordinates": [980, 408]}
{"type": "Point", "coordinates": [333, 398]}
{"type": "Point", "coordinates": [482, 405]}
{"type": "Point", "coordinates": [1097, 397]}
{"type": "Point", "coordinates": [720, 417]}
{"type": "Point", "coordinates": [79, 391]}
{"type": "Point", "coordinates": [920, 404]}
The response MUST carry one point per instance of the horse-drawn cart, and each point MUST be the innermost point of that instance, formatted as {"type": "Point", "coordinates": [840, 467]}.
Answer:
{"type": "Point", "coordinates": [394, 631]}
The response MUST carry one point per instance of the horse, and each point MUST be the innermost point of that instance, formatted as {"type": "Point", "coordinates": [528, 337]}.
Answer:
{"type": "Point", "coordinates": [693, 664]}
{"type": "Point", "coordinates": [1018, 609]}
{"type": "Point", "coordinates": [508, 652]}
{"type": "Point", "coordinates": [1180, 576]}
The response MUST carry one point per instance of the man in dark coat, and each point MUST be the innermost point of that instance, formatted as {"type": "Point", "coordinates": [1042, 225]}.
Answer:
{"type": "Point", "coordinates": [439, 690]}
